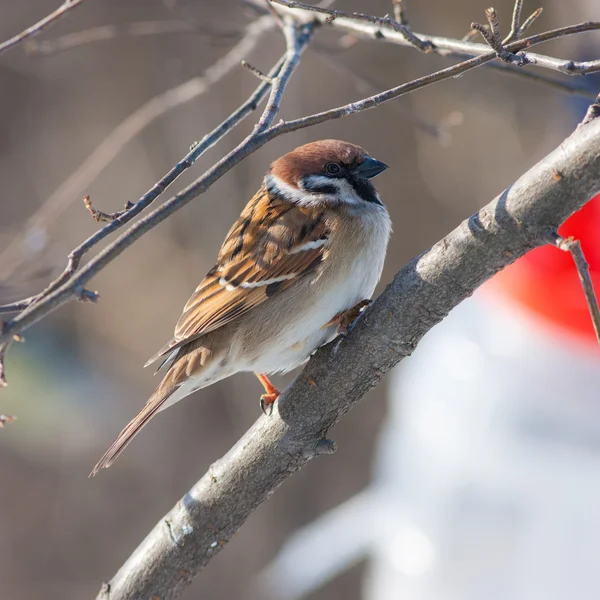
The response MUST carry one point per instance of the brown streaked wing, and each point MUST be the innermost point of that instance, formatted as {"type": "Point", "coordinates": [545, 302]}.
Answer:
{"type": "Point", "coordinates": [261, 256]}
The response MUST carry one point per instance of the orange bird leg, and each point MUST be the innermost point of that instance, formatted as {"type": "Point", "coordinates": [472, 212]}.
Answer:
{"type": "Point", "coordinates": [272, 393]}
{"type": "Point", "coordinates": [344, 319]}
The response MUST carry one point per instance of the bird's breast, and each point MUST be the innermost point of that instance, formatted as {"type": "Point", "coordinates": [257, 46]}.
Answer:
{"type": "Point", "coordinates": [352, 265]}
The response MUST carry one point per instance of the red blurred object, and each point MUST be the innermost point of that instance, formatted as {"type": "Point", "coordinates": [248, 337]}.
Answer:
{"type": "Point", "coordinates": [545, 280]}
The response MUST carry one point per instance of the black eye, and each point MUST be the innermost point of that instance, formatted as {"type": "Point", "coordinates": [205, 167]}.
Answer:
{"type": "Point", "coordinates": [332, 168]}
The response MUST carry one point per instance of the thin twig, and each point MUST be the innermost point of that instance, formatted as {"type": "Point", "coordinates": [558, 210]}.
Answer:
{"type": "Point", "coordinates": [19, 304]}
{"type": "Point", "coordinates": [493, 38]}
{"type": "Point", "coordinates": [332, 15]}
{"type": "Point", "coordinates": [513, 34]}
{"type": "Point", "coordinates": [296, 40]}
{"type": "Point", "coordinates": [77, 183]}
{"type": "Point", "coordinates": [185, 163]}
{"type": "Point", "coordinates": [256, 71]}
{"type": "Point", "coordinates": [492, 17]}
{"type": "Point", "coordinates": [102, 217]}
{"type": "Point", "coordinates": [62, 10]}
{"type": "Point", "coordinates": [375, 29]}
{"type": "Point", "coordinates": [529, 21]}
{"type": "Point", "coordinates": [261, 135]}
{"type": "Point", "coordinates": [573, 246]}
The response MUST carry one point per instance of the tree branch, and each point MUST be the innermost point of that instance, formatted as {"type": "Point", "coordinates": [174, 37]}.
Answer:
{"type": "Point", "coordinates": [338, 376]}
{"type": "Point", "coordinates": [140, 28]}
{"type": "Point", "coordinates": [62, 10]}
{"type": "Point", "coordinates": [381, 29]}
{"type": "Point", "coordinates": [105, 152]}
{"type": "Point", "coordinates": [120, 218]}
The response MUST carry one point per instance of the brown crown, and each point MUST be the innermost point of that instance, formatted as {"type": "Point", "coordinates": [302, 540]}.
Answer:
{"type": "Point", "coordinates": [312, 158]}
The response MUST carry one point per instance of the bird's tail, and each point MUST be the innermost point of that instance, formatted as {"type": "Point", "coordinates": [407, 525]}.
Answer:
{"type": "Point", "coordinates": [164, 391]}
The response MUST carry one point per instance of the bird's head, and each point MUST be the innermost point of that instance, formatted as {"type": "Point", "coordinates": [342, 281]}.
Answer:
{"type": "Point", "coordinates": [324, 172]}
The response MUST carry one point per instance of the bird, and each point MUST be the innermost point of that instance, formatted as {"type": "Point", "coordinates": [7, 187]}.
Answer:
{"type": "Point", "coordinates": [295, 270]}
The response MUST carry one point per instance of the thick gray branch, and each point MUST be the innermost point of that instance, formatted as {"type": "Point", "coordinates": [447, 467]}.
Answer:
{"type": "Point", "coordinates": [339, 375]}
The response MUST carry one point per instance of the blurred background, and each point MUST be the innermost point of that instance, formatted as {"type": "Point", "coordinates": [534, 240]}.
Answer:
{"type": "Point", "coordinates": [483, 487]}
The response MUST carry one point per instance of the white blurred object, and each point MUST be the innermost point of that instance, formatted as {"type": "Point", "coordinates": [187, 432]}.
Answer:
{"type": "Point", "coordinates": [492, 446]}
{"type": "Point", "coordinates": [487, 482]}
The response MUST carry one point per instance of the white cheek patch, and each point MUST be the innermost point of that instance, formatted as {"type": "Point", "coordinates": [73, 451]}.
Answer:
{"type": "Point", "coordinates": [344, 191]}
{"type": "Point", "coordinates": [294, 194]}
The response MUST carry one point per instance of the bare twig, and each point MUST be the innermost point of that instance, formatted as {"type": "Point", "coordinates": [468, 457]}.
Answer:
{"type": "Point", "coordinates": [13, 255]}
{"type": "Point", "coordinates": [338, 376]}
{"type": "Point", "coordinates": [261, 135]}
{"type": "Point", "coordinates": [529, 21]}
{"type": "Point", "coordinates": [573, 246]}
{"type": "Point", "coordinates": [141, 28]}
{"type": "Point", "coordinates": [452, 47]}
{"type": "Point", "coordinates": [332, 15]}
{"type": "Point", "coordinates": [513, 34]}
{"type": "Point", "coordinates": [256, 71]}
{"type": "Point", "coordinates": [296, 39]}
{"type": "Point", "coordinates": [18, 305]}
{"type": "Point", "coordinates": [493, 38]}
{"type": "Point", "coordinates": [125, 216]}
{"type": "Point", "coordinates": [62, 10]}
{"type": "Point", "coordinates": [5, 419]}
{"type": "Point", "coordinates": [444, 49]}
{"type": "Point", "coordinates": [102, 217]}
{"type": "Point", "coordinates": [492, 17]}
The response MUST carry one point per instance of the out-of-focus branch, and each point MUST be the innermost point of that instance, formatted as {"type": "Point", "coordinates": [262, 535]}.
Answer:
{"type": "Point", "coordinates": [381, 29]}
{"type": "Point", "coordinates": [339, 375]}
{"type": "Point", "coordinates": [262, 134]}
{"type": "Point", "coordinates": [74, 185]}
{"type": "Point", "coordinates": [61, 11]}
{"type": "Point", "coordinates": [120, 218]}
{"type": "Point", "coordinates": [141, 28]}
{"type": "Point", "coordinates": [375, 33]}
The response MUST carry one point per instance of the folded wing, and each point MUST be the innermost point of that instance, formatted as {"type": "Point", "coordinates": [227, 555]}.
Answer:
{"type": "Point", "coordinates": [273, 245]}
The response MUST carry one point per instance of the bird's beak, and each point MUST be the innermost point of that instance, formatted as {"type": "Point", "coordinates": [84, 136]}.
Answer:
{"type": "Point", "coordinates": [369, 168]}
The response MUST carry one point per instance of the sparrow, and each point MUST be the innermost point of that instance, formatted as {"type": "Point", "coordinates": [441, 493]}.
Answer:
{"type": "Point", "coordinates": [295, 269]}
